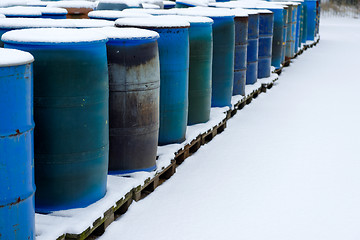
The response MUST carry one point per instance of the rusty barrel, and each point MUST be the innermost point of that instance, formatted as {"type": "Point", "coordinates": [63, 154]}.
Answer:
{"type": "Point", "coordinates": [71, 137]}
{"type": "Point", "coordinates": [17, 213]}
{"type": "Point", "coordinates": [174, 72]}
{"type": "Point", "coordinates": [134, 84]}
{"type": "Point", "coordinates": [241, 41]}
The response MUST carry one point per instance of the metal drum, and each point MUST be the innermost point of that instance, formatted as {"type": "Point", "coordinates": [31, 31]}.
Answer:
{"type": "Point", "coordinates": [117, 5]}
{"type": "Point", "coordinates": [223, 52]}
{"type": "Point", "coordinates": [200, 67]}
{"type": "Point", "coordinates": [21, 12]}
{"type": "Point", "coordinates": [112, 15]}
{"type": "Point", "coordinates": [17, 213]}
{"type": "Point", "coordinates": [311, 19]}
{"type": "Point", "coordinates": [134, 82]}
{"type": "Point", "coordinates": [266, 28]}
{"type": "Point", "coordinates": [169, 4]}
{"type": "Point", "coordinates": [298, 25]}
{"type": "Point", "coordinates": [278, 33]}
{"type": "Point", "coordinates": [174, 73]}
{"type": "Point", "coordinates": [253, 47]}
{"type": "Point", "coordinates": [71, 114]}
{"type": "Point", "coordinates": [53, 13]}
{"type": "Point", "coordinates": [294, 27]}
{"type": "Point", "coordinates": [241, 38]}
{"type": "Point", "coordinates": [75, 9]}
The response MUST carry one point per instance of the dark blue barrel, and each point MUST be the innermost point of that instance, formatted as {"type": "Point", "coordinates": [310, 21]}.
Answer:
{"type": "Point", "coordinates": [298, 25]}
{"type": "Point", "coordinates": [112, 15]}
{"type": "Point", "coordinates": [185, 4]}
{"type": "Point", "coordinates": [266, 28]}
{"type": "Point", "coordinates": [283, 50]}
{"type": "Point", "coordinates": [290, 41]}
{"type": "Point", "coordinates": [240, 61]}
{"type": "Point", "coordinates": [294, 27]}
{"type": "Point", "coordinates": [134, 82]}
{"type": "Point", "coordinates": [117, 5]}
{"type": "Point", "coordinates": [200, 68]}
{"type": "Point", "coordinates": [253, 47]}
{"type": "Point", "coordinates": [169, 4]}
{"type": "Point", "coordinates": [174, 73]}
{"type": "Point", "coordinates": [71, 114]}
{"type": "Point", "coordinates": [304, 35]}
{"type": "Point", "coordinates": [278, 34]}
{"type": "Point", "coordinates": [223, 53]}
{"type": "Point", "coordinates": [311, 19]}
{"type": "Point", "coordinates": [17, 210]}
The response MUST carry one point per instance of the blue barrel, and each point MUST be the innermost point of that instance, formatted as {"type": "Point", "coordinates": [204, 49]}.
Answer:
{"type": "Point", "coordinates": [17, 211]}
{"type": "Point", "coordinates": [253, 47]}
{"type": "Point", "coordinates": [200, 68]}
{"type": "Point", "coordinates": [290, 41]}
{"type": "Point", "coordinates": [223, 53]}
{"type": "Point", "coordinates": [71, 115]}
{"type": "Point", "coordinates": [169, 4]}
{"type": "Point", "coordinates": [240, 62]}
{"type": "Point", "coordinates": [134, 81]}
{"type": "Point", "coordinates": [53, 13]}
{"type": "Point", "coordinates": [298, 25]}
{"type": "Point", "coordinates": [21, 12]}
{"type": "Point", "coordinates": [311, 19]}
{"type": "Point", "coordinates": [112, 15]}
{"type": "Point", "coordinates": [278, 35]}
{"type": "Point", "coordinates": [266, 29]}
{"type": "Point", "coordinates": [283, 50]}
{"type": "Point", "coordinates": [174, 73]}
{"type": "Point", "coordinates": [117, 5]}
{"type": "Point", "coordinates": [294, 27]}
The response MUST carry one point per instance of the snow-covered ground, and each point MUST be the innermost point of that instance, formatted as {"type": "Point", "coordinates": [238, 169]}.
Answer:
{"type": "Point", "coordinates": [286, 168]}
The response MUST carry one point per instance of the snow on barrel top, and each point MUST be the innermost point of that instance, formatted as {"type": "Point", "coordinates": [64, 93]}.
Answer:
{"type": "Point", "coordinates": [13, 57]}
{"type": "Point", "coordinates": [85, 23]}
{"type": "Point", "coordinates": [205, 12]}
{"type": "Point", "coordinates": [153, 22]}
{"type": "Point", "coordinates": [194, 19]}
{"type": "Point", "coordinates": [240, 12]}
{"type": "Point", "coordinates": [203, 3]}
{"type": "Point", "coordinates": [129, 3]}
{"type": "Point", "coordinates": [2, 15]}
{"type": "Point", "coordinates": [113, 14]}
{"type": "Point", "coordinates": [73, 4]}
{"type": "Point", "coordinates": [50, 10]}
{"type": "Point", "coordinates": [20, 11]}
{"type": "Point", "coordinates": [45, 36]}
{"type": "Point", "coordinates": [128, 33]}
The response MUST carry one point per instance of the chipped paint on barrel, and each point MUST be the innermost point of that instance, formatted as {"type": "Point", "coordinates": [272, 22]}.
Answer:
{"type": "Point", "coordinates": [266, 28]}
{"type": "Point", "coordinates": [252, 49]}
{"type": "Point", "coordinates": [134, 82]}
{"type": "Point", "coordinates": [223, 61]}
{"type": "Point", "coordinates": [71, 115]}
{"type": "Point", "coordinates": [241, 39]}
{"type": "Point", "coordinates": [200, 69]}
{"type": "Point", "coordinates": [17, 213]}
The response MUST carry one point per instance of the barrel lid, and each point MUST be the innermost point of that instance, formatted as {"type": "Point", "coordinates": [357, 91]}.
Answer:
{"type": "Point", "coordinates": [114, 14]}
{"type": "Point", "coordinates": [240, 12]}
{"type": "Point", "coordinates": [248, 11]}
{"type": "Point", "coordinates": [22, 23]}
{"type": "Point", "coordinates": [20, 11]}
{"type": "Point", "coordinates": [10, 3]}
{"type": "Point", "coordinates": [150, 6]}
{"type": "Point", "coordinates": [38, 3]}
{"type": "Point", "coordinates": [269, 5]}
{"type": "Point", "coordinates": [50, 10]}
{"type": "Point", "coordinates": [193, 3]}
{"type": "Point", "coordinates": [73, 4]}
{"type": "Point", "coordinates": [195, 19]}
{"type": "Point", "coordinates": [14, 57]}
{"type": "Point", "coordinates": [53, 36]}
{"type": "Point", "coordinates": [153, 22]}
{"type": "Point", "coordinates": [129, 3]}
{"type": "Point", "coordinates": [157, 12]}
{"type": "Point", "coordinates": [169, 3]}
{"type": "Point", "coordinates": [114, 33]}
{"type": "Point", "coordinates": [264, 11]}
{"type": "Point", "coordinates": [206, 12]}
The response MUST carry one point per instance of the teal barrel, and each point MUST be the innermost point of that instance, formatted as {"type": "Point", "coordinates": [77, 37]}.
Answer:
{"type": "Point", "coordinates": [8, 24]}
{"type": "Point", "coordinates": [71, 114]}
{"type": "Point", "coordinates": [112, 15]}
{"type": "Point", "coordinates": [266, 29]}
{"type": "Point", "coordinates": [200, 68]}
{"type": "Point", "coordinates": [17, 210]}
{"type": "Point", "coordinates": [311, 19]}
{"type": "Point", "coordinates": [174, 73]}
{"type": "Point", "coordinates": [134, 82]}
{"type": "Point", "coordinates": [223, 52]}
{"type": "Point", "coordinates": [241, 38]}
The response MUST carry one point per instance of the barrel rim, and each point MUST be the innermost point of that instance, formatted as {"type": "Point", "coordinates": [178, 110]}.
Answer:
{"type": "Point", "coordinates": [11, 61]}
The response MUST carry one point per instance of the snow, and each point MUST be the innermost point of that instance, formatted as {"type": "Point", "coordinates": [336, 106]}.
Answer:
{"type": "Point", "coordinates": [129, 3]}
{"type": "Point", "coordinates": [20, 11]}
{"type": "Point", "coordinates": [2, 15]}
{"type": "Point", "coordinates": [150, 6]}
{"type": "Point", "coordinates": [154, 22]}
{"type": "Point", "coordinates": [52, 36]}
{"type": "Point", "coordinates": [128, 33]}
{"type": "Point", "coordinates": [13, 57]}
{"type": "Point", "coordinates": [286, 167]}
{"type": "Point", "coordinates": [205, 12]}
{"type": "Point", "coordinates": [73, 4]}
{"type": "Point", "coordinates": [51, 10]}
{"type": "Point", "coordinates": [203, 3]}
{"type": "Point", "coordinates": [21, 23]}
{"type": "Point", "coordinates": [113, 14]}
